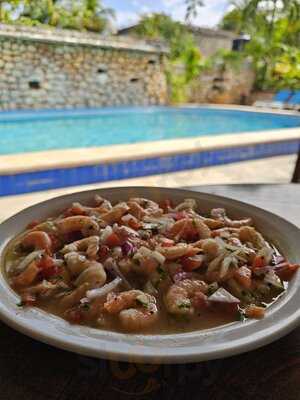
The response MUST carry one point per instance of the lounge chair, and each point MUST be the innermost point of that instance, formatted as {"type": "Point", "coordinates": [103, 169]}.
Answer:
{"type": "Point", "coordinates": [294, 102]}
{"type": "Point", "coordinates": [279, 100]}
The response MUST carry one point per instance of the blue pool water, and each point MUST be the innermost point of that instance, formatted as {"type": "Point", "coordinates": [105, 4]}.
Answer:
{"type": "Point", "coordinates": [46, 130]}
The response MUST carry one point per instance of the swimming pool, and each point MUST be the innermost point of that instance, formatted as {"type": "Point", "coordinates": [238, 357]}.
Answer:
{"type": "Point", "coordinates": [22, 132]}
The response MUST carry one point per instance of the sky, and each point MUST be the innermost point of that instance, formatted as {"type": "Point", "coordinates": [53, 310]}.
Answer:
{"type": "Point", "coordinates": [128, 11]}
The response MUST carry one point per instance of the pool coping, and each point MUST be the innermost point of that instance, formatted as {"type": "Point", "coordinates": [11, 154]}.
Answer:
{"type": "Point", "coordinates": [70, 158]}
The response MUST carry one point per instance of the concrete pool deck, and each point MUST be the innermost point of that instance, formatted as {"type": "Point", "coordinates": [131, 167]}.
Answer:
{"type": "Point", "coordinates": [29, 172]}
{"type": "Point", "coordinates": [270, 170]}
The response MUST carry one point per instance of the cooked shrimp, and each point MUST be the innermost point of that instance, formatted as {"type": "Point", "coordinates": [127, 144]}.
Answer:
{"type": "Point", "coordinates": [183, 296]}
{"type": "Point", "coordinates": [86, 225]}
{"type": "Point", "coordinates": [137, 310]}
{"type": "Point", "coordinates": [94, 274]}
{"type": "Point", "coordinates": [100, 201]}
{"type": "Point", "coordinates": [79, 209]}
{"type": "Point", "coordinates": [89, 244]}
{"type": "Point", "coordinates": [150, 207]}
{"type": "Point", "coordinates": [116, 213]}
{"type": "Point", "coordinates": [220, 214]}
{"type": "Point", "coordinates": [37, 240]}
{"type": "Point", "coordinates": [225, 232]}
{"type": "Point", "coordinates": [211, 248]}
{"type": "Point", "coordinates": [249, 234]}
{"type": "Point", "coordinates": [180, 250]}
{"type": "Point", "coordinates": [213, 223]}
{"type": "Point", "coordinates": [44, 289]}
{"type": "Point", "coordinates": [136, 210]}
{"type": "Point", "coordinates": [28, 276]}
{"type": "Point", "coordinates": [76, 263]}
{"type": "Point", "coordinates": [187, 228]}
{"type": "Point", "coordinates": [69, 300]}
{"type": "Point", "coordinates": [187, 204]}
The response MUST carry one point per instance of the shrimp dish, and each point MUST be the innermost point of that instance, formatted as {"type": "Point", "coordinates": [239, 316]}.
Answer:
{"type": "Point", "coordinates": [142, 267]}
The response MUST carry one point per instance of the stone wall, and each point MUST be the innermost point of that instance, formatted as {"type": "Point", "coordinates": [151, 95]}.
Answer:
{"type": "Point", "coordinates": [227, 85]}
{"type": "Point", "coordinates": [42, 68]}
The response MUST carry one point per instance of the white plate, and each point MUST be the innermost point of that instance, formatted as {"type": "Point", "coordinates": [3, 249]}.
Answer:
{"type": "Point", "coordinates": [227, 340]}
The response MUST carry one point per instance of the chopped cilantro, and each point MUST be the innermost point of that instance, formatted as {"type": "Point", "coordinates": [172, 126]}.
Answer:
{"type": "Point", "coordinates": [186, 304]}
{"type": "Point", "coordinates": [143, 301]}
{"type": "Point", "coordinates": [212, 288]}
{"type": "Point", "coordinates": [85, 306]}
{"type": "Point", "coordinates": [241, 315]}
{"type": "Point", "coordinates": [162, 272]}
{"type": "Point", "coordinates": [136, 261]}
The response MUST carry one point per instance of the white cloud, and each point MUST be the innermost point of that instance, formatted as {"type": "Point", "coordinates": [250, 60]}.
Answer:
{"type": "Point", "coordinates": [209, 15]}
{"type": "Point", "coordinates": [126, 18]}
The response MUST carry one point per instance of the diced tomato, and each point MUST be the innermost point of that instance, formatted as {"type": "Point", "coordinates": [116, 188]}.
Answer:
{"type": "Point", "coordinates": [32, 224]}
{"type": "Point", "coordinates": [49, 272]}
{"type": "Point", "coordinates": [200, 301]}
{"type": "Point", "coordinates": [133, 223]}
{"type": "Point", "coordinates": [47, 267]}
{"type": "Point", "coordinates": [243, 276]}
{"type": "Point", "coordinates": [55, 242]}
{"type": "Point", "coordinates": [254, 311]}
{"type": "Point", "coordinates": [103, 252]}
{"type": "Point", "coordinates": [180, 215]}
{"type": "Point", "coordinates": [286, 271]}
{"type": "Point", "coordinates": [113, 240]}
{"type": "Point", "coordinates": [258, 262]}
{"type": "Point", "coordinates": [164, 242]}
{"type": "Point", "coordinates": [45, 262]}
{"type": "Point", "coordinates": [191, 263]}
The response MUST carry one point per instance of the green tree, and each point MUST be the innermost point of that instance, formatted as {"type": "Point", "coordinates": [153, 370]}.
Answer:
{"type": "Point", "coordinates": [274, 27]}
{"type": "Point", "coordinates": [232, 21]}
{"type": "Point", "coordinates": [185, 58]}
{"type": "Point", "coordinates": [81, 15]}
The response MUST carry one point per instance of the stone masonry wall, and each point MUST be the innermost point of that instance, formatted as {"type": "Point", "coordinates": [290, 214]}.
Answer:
{"type": "Point", "coordinates": [229, 86]}
{"type": "Point", "coordinates": [59, 69]}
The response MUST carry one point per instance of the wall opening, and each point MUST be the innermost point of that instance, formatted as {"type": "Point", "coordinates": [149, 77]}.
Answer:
{"type": "Point", "coordinates": [134, 80]}
{"type": "Point", "coordinates": [101, 71]}
{"type": "Point", "coordinates": [34, 84]}
{"type": "Point", "coordinates": [152, 62]}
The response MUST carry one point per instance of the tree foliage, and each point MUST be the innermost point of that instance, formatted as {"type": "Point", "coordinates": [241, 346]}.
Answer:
{"type": "Point", "coordinates": [80, 15]}
{"type": "Point", "coordinates": [274, 28]}
{"type": "Point", "coordinates": [192, 7]}
{"type": "Point", "coordinates": [185, 57]}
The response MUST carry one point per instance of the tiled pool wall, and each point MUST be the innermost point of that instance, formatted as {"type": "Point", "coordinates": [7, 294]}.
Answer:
{"type": "Point", "coordinates": [25, 182]}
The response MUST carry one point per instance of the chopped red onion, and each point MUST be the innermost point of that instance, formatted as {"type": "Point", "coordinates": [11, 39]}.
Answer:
{"type": "Point", "coordinates": [278, 259]}
{"type": "Point", "coordinates": [127, 248]}
{"type": "Point", "coordinates": [93, 293]}
{"type": "Point", "coordinates": [180, 276]}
